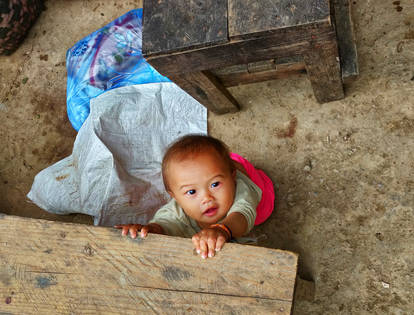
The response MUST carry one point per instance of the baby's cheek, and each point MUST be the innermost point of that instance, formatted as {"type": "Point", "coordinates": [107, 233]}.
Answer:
{"type": "Point", "coordinates": [229, 202]}
{"type": "Point", "coordinates": [193, 209]}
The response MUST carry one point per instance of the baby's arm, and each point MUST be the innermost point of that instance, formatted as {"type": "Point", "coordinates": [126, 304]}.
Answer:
{"type": "Point", "coordinates": [144, 229]}
{"type": "Point", "coordinates": [212, 239]}
{"type": "Point", "coordinates": [237, 223]}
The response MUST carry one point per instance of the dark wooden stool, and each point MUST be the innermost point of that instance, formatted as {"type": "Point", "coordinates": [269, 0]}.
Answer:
{"type": "Point", "coordinates": [205, 46]}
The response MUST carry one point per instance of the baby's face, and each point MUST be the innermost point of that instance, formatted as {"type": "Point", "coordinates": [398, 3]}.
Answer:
{"type": "Point", "coordinates": [203, 186]}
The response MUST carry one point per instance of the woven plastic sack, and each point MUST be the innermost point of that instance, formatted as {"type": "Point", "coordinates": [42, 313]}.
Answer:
{"type": "Point", "coordinates": [16, 18]}
{"type": "Point", "coordinates": [108, 58]}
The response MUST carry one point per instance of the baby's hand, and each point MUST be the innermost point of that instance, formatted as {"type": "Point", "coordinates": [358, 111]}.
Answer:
{"type": "Point", "coordinates": [144, 229]}
{"type": "Point", "coordinates": [210, 240]}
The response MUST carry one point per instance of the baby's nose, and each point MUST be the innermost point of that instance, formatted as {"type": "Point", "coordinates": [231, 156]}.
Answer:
{"type": "Point", "coordinates": [207, 197]}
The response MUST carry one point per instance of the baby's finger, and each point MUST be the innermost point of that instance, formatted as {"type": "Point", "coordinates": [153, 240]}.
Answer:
{"type": "Point", "coordinates": [144, 231]}
{"type": "Point", "coordinates": [125, 230]}
{"type": "Point", "coordinates": [211, 242]}
{"type": "Point", "coordinates": [203, 248]}
{"type": "Point", "coordinates": [220, 242]}
{"type": "Point", "coordinates": [196, 243]}
{"type": "Point", "coordinates": [133, 231]}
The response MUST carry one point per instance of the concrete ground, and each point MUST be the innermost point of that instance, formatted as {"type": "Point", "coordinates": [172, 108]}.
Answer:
{"type": "Point", "coordinates": [344, 180]}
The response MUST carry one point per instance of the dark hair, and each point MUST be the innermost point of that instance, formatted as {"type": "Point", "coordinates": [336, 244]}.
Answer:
{"type": "Point", "coordinates": [190, 145]}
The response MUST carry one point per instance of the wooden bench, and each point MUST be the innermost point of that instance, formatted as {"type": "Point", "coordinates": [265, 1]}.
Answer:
{"type": "Point", "coordinates": [50, 267]}
{"type": "Point", "coordinates": [207, 46]}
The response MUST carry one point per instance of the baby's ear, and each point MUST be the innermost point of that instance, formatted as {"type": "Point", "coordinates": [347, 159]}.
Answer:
{"type": "Point", "coordinates": [171, 193]}
{"type": "Point", "coordinates": [233, 174]}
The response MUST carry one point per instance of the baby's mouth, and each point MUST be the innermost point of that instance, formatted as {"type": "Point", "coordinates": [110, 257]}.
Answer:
{"type": "Point", "coordinates": [210, 211]}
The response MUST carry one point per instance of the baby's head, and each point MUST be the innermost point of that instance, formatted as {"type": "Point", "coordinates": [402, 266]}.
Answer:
{"type": "Point", "coordinates": [199, 174]}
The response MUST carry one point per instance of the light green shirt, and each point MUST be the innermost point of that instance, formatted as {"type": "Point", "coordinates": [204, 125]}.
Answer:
{"type": "Point", "coordinates": [175, 222]}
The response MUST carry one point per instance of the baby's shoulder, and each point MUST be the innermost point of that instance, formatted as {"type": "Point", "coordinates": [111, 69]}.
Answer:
{"type": "Point", "coordinates": [245, 186]}
{"type": "Point", "coordinates": [172, 209]}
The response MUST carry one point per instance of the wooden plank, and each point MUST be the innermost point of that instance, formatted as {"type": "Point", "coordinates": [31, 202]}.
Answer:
{"type": "Point", "coordinates": [95, 300]}
{"type": "Point", "coordinates": [322, 66]}
{"type": "Point", "coordinates": [230, 70]}
{"type": "Point", "coordinates": [289, 43]}
{"type": "Point", "coordinates": [346, 39]}
{"type": "Point", "coordinates": [262, 65]}
{"type": "Point", "coordinates": [60, 268]}
{"type": "Point", "coordinates": [205, 88]}
{"type": "Point", "coordinates": [282, 71]}
{"type": "Point", "coordinates": [249, 18]}
{"type": "Point", "coordinates": [180, 24]}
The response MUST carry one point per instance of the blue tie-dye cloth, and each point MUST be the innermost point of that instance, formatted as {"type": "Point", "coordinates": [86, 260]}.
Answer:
{"type": "Point", "coordinates": [108, 58]}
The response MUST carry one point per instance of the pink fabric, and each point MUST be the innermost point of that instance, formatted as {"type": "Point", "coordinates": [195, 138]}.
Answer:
{"type": "Point", "coordinates": [266, 204]}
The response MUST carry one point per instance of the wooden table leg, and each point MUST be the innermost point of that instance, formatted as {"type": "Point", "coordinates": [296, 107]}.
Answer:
{"type": "Point", "coordinates": [208, 90]}
{"type": "Point", "coordinates": [324, 72]}
{"type": "Point", "coordinates": [346, 40]}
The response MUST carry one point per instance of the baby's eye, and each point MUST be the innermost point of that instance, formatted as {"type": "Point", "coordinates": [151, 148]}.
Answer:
{"type": "Point", "coordinates": [216, 184]}
{"type": "Point", "coordinates": [191, 192]}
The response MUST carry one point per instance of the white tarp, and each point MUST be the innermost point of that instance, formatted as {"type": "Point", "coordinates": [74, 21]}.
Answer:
{"type": "Point", "coordinates": [114, 172]}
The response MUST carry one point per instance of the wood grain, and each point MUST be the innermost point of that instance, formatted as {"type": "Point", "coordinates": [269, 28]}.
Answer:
{"type": "Point", "coordinates": [286, 43]}
{"type": "Point", "coordinates": [60, 268]}
{"type": "Point", "coordinates": [323, 68]}
{"type": "Point", "coordinates": [248, 18]}
{"type": "Point", "coordinates": [179, 24]}
{"type": "Point", "coordinates": [346, 39]}
{"type": "Point", "coordinates": [282, 71]}
{"type": "Point", "coordinates": [208, 90]}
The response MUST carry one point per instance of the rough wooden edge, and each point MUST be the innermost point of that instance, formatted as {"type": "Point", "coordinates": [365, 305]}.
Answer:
{"type": "Point", "coordinates": [234, 52]}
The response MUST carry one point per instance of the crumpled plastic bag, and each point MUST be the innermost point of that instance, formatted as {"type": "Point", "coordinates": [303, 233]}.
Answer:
{"type": "Point", "coordinates": [114, 171]}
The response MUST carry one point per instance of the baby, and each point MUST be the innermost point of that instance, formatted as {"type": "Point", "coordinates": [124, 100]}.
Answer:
{"type": "Point", "coordinates": [217, 195]}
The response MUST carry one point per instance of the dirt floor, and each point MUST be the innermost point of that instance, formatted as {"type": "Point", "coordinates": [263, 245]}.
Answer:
{"type": "Point", "coordinates": [344, 179]}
